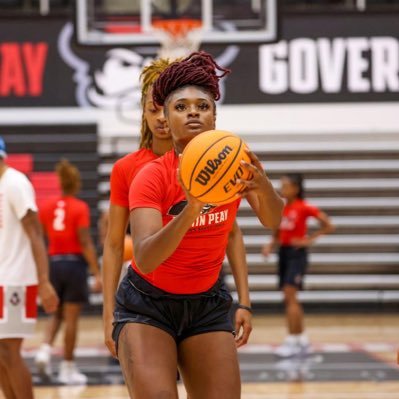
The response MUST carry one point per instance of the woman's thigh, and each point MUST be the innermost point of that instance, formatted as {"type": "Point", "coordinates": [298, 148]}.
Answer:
{"type": "Point", "coordinates": [148, 357]}
{"type": "Point", "coordinates": [209, 365]}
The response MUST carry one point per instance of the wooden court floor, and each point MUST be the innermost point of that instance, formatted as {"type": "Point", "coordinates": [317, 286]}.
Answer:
{"type": "Point", "coordinates": [376, 335]}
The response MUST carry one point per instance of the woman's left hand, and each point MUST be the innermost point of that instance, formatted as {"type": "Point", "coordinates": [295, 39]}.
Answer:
{"type": "Point", "coordinates": [243, 326]}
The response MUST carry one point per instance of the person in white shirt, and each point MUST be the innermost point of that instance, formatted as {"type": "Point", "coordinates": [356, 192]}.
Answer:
{"type": "Point", "coordinates": [23, 275]}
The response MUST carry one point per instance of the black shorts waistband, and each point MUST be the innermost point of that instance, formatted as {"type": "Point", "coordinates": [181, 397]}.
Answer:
{"type": "Point", "coordinates": [66, 257]}
{"type": "Point", "coordinates": [292, 248]}
{"type": "Point", "coordinates": [146, 288]}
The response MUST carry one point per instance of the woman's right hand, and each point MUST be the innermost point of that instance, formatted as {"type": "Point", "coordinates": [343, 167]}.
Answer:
{"type": "Point", "coordinates": [267, 249]}
{"type": "Point", "coordinates": [109, 342]}
{"type": "Point", "coordinates": [192, 202]}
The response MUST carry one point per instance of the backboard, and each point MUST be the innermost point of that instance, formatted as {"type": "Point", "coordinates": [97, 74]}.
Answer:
{"type": "Point", "coordinates": [133, 22]}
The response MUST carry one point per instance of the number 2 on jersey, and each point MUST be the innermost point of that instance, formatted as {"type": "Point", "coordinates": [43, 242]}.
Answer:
{"type": "Point", "coordinates": [59, 217]}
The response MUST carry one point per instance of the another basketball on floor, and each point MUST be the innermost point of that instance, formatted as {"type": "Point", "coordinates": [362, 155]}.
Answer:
{"type": "Point", "coordinates": [211, 164]}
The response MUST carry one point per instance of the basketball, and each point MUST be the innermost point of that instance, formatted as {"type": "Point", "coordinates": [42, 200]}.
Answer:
{"type": "Point", "coordinates": [211, 164]}
{"type": "Point", "coordinates": [128, 249]}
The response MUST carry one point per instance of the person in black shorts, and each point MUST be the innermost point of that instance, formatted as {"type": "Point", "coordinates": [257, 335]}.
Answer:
{"type": "Point", "coordinates": [292, 239]}
{"type": "Point", "coordinates": [171, 308]}
{"type": "Point", "coordinates": [66, 222]}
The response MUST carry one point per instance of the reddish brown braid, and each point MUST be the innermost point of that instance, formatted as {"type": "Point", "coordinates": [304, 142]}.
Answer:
{"type": "Point", "coordinates": [198, 69]}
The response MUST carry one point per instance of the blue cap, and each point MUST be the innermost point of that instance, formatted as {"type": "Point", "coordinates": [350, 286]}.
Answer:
{"type": "Point", "coordinates": [3, 153]}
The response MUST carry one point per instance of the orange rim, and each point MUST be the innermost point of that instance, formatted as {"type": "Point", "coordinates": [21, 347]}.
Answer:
{"type": "Point", "coordinates": [177, 27]}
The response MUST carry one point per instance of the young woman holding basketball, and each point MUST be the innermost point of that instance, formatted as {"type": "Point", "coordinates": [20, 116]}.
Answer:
{"type": "Point", "coordinates": [155, 141]}
{"type": "Point", "coordinates": [172, 308]}
{"type": "Point", "coordinates": [293, 242]}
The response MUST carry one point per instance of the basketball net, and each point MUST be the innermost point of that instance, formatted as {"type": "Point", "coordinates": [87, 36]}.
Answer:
{"type": "Point", "coordinates": [178, 37]}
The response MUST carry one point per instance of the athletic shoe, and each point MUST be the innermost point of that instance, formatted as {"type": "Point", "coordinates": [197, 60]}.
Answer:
{"type": "Point", "coordinates": [289, 348]}
{"type": "Point", "coordinates": [70, 375]}
{"type": "Point", "coordinates": [305, 349]}
{"type": "Point", "coordinates": [42, 360]}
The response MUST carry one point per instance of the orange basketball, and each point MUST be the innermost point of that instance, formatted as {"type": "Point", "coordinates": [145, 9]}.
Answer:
{"type": "Point", "coordinates": [211, 164]}
{"type": "Point", "coordinates": [128, 249]}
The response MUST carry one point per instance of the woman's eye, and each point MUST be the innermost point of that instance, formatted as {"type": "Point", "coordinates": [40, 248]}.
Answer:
{"type": "Point", "coordinates": [153, 110]}
{"type": "Point", "coordinates": [203, 106]}
{"type": "Point", "coordinates": [180, 107]}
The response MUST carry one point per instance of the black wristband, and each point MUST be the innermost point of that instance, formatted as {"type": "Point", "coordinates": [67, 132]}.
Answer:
{"type": "Point", "coordinates": [249, 309]}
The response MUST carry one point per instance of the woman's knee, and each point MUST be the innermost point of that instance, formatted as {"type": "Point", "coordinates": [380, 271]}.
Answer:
{"type": "Point", "coordinates": [9, 353]}
{"type": "Point", "coordinates": [290, 294]}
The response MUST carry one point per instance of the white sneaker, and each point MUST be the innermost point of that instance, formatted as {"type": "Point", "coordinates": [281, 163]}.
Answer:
{"type": "Point", "coordinates": [70, 375]}
{"type": "Point", "coordinates": [289, 348]}
{"type": "Point", "coordinates": [42, 360]}
{"type": "Point", "coordinates": [305, 349]}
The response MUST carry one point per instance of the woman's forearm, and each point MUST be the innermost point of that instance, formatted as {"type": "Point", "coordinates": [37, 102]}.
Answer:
{"type": "Point", "coordinates": [154, 249]}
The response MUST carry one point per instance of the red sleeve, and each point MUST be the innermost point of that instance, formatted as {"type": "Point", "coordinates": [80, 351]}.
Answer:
{"type": "Point", "coordinates": [84, 216]}
{"type": "Point", "coordinates": [119, 186]}
{"type": "Point", "coordinates": [147, 188]}
{"type": "Point", "coordinates": [312, 211]}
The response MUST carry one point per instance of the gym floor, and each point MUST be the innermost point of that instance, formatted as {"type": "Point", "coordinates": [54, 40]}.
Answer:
{"type": "Point", "coordinates": [354, 356]}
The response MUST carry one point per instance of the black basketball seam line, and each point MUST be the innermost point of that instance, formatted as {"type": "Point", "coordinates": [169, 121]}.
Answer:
{"type": "Point", "coordinates": [199, 160]}
{"type": "Point", "coordinates": [224, 203]}
{"type": "Point", "coordinates": [221, 177]}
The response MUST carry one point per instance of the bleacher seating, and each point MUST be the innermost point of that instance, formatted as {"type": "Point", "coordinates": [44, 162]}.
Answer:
{"type": "Point", "coordinates": [46, 184]}
{"type": "Point", "coordinates": [21, 162]}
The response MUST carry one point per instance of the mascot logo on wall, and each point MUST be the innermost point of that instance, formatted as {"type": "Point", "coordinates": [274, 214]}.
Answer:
{"type": "Point", "coordinates": [115, 83]}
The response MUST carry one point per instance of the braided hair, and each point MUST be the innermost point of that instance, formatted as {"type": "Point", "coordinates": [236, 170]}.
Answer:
{"type": "Point", "coordinates": [69, 176]}
{"type": "Point", "coordinates": [198, 69]}
{"type": "Point", "coordinates": [148, 76]}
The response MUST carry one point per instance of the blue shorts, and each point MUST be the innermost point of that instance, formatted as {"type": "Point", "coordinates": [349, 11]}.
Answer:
{"type": "Point", "coordinates": [68, 274]}
{"type": "Point", "coordinates": [292, 266]}
{"type": "Point", "coordinates": [181, 316]}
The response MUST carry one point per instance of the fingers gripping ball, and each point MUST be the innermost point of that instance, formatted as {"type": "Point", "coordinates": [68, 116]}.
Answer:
{"type": "Point", "coordinates": [211, 164]}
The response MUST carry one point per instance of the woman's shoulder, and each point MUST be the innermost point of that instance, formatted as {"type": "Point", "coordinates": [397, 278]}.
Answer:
{"type": "Point", "coordinates": [130, 160]}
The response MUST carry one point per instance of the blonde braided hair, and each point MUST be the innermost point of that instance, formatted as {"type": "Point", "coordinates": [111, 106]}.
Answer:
{"type": "Point", "coordinates": [148, 77]}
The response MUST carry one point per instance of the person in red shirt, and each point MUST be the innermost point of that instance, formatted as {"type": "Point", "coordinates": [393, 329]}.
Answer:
{"type": "Point", "coordinates": [66, 223]}
{"type": "Point", "coordinates": [293, 241]}
{"type": "Point", "coordinates": [155, 141]}
{"type": "Point", "coordinates": [171, 307]}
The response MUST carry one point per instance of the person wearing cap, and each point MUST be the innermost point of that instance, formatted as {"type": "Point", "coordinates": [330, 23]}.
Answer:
{"type": "Point", "coordinates": [23, 275]}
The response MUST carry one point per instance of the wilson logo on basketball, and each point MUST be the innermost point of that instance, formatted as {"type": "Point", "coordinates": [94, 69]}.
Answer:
{"type": "Point", "coordinates": [205, 173]}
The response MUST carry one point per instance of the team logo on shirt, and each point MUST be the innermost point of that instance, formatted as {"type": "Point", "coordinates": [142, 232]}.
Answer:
{"type": "Point", "coordinates": [175, 209]}
{"type": "Point", "coordinates": [288, 222]}
{"type": "Point", "coordinates": [207, 216]}
{"type": "Point", "coordinates": [15, 300]}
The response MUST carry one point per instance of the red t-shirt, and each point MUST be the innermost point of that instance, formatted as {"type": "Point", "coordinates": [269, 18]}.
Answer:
{"type": "Point", "coordinates": [123, 173]}
{"type": "Point", "coordinates": [293, 222]}
{"type": "Point", "coordinates": [195, 265]}
{"type": "Point", "coordinates": [61, 218]}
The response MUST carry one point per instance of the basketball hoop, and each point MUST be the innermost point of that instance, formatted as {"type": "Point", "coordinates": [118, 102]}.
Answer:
{"type": "Point", "coordinates": [178, 37]}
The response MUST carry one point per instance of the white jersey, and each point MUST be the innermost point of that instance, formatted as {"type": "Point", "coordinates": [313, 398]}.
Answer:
{"type": "Point", "coordinates": [17, 265]}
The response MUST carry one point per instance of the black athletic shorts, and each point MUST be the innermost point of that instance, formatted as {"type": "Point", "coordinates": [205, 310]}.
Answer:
{"type": "Point", "coordinates": [181, 316]}
{"type": "Point", "coordinates": [292, 266]}
{"type": "Point", "coordinates": [68, 274]}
